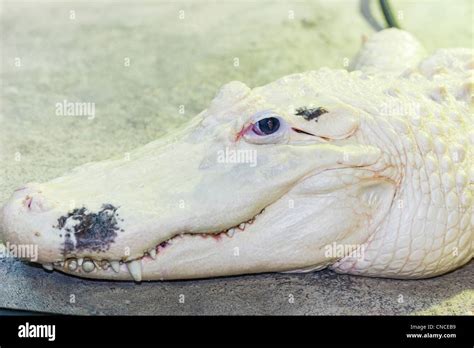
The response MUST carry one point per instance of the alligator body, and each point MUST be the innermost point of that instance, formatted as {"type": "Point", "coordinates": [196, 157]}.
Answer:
{"type": "Point", "coordinates": [368, 172]}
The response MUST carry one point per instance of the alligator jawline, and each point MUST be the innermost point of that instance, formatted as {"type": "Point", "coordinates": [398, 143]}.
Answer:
{"type": "Point", "coordinates": [151, 254]}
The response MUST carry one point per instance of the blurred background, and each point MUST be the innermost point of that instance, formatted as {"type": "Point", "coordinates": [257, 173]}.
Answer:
{"type": "Point", "coordinates": [148, 66]}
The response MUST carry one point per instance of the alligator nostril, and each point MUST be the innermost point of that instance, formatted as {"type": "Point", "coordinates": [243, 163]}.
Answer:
{"type": "Point", "coordinates": [27, 201]}
{"type": "Point", "coordinates": [36, 202]}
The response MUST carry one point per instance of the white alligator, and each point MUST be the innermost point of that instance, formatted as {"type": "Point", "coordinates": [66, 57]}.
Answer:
{"type": "Point", "coordinates": [281, 178]}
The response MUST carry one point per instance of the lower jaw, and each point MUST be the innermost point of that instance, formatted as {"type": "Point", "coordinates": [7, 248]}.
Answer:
{"type": "Point", "coordinates": [192, 257]}
{"type": "Point", "coordinates": [176, 261]}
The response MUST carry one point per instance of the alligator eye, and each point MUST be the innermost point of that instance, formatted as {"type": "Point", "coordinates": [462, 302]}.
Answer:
{"type": "Point", "coordinates": [266, 126]}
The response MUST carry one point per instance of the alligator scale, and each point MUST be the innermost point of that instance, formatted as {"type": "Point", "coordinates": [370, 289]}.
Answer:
{"type": "Point", "coordinates": [380, 157]}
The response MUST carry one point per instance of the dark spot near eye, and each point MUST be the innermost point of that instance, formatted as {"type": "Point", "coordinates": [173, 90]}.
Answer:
{"type": "Point", "coordinates": [92, 231]}
{"type": "Point", "coordinates": [310, 114]}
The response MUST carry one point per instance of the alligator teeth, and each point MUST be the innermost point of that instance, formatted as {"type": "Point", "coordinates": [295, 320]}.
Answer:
{"type": "Point", "coordinates": [231, 232]}
{"type": "Point", "coordinates": [104, 264]}
{"type": "Point", "coordinates": [80, 261]}
{"type": "Point", "coordinates": [88, 266]}
{"type": "Point", "coordinates": [115, 266]}
{"type": "Point", "coordinates": [135, 269]}
{"type": "Point", "coordinates": [48, 266]}
{"type": "Point", "coordinates": [72, 265]}
{"type": "Point", "coordinates": [96, 263]}
{"type": "Point", "coordinates": [242, 226]}
{"type": "Point", "coordinates": [152, 253]}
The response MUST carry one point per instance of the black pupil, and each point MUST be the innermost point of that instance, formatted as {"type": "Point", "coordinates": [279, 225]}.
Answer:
{"type": "Point", "coordinates": [269, 125]}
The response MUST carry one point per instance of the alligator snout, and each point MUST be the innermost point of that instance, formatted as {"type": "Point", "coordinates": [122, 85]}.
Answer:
{"type": "Point", "coordinates": [25, 221]}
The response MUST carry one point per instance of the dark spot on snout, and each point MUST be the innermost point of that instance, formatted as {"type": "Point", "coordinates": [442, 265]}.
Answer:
{"type": "Point", "coordinates": [94, 231]}
{"type": "Point", "coordinates": [310, 114]}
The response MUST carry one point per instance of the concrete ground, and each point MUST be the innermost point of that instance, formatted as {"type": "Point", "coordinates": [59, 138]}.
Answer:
{"type": "Point", "coordinates": [317, 293]}
{"type": "Point", "coordinates": [149, 67]}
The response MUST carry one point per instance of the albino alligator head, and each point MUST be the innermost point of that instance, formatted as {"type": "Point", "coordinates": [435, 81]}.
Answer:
{"type": "Point", "coordinates": [269, 179]}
